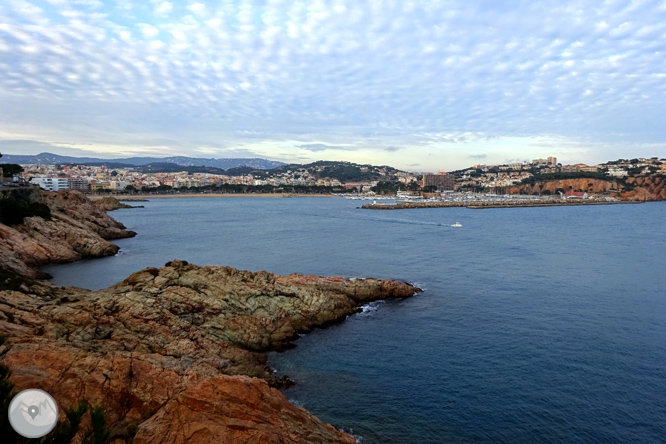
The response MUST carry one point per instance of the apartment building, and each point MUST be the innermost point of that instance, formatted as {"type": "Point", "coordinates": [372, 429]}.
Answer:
{"type": "Point", "coordinates": [51, 183]}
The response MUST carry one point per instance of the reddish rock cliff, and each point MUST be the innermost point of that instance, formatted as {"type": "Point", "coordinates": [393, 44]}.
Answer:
{"type": "Point", "coordinates": [551, 187]}
{"type": "Point", "coordinates": [78, 230]}
{"type": "Point", "coordinates": [170, 353]}
{"type": "Point", "coordinates": [649, 188]}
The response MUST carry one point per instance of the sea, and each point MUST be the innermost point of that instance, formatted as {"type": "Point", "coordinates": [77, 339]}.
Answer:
{"type": "Point", "coordinates": [536, 325]}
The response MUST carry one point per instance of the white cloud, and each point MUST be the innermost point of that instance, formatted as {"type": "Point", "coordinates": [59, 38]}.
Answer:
{"type": "Point", "coordinates": [368, 75]}
{"type": "Point", "coordinates": [164, 8]}
{"type": "Point", "coordinates": [197, 8]}
{"type": "Point", "coordinates": [148, 31]}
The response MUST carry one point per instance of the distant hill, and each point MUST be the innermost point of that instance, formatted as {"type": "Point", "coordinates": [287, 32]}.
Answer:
{"type": "Point", "coordinates": [56, 159]}
{"type": "Point", "coordinates": [340, 170]}
{"type": "Point", "coordinates": [164, 167]}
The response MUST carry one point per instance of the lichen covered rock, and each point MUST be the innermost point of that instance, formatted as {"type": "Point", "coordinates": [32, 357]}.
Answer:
{"type": "Point", "coordinates": [173, 353]}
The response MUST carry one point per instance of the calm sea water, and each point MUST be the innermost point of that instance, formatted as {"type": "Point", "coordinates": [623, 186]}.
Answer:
{"type": "Point", "coordinates": [539, 325]}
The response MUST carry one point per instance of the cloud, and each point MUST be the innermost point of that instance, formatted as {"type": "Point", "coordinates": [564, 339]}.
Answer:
{"type": "Point", "coordinates": [317, 147]}
{"type": "Point", "coordinates": [440, 76]}
{"type": "Point", "coordinates": [164, 8]}
{"type": "Point", "coordinates": [477, 156]}
{"type": "Point", "coordinates": [25, 147]}
{"type": "Point", "coordinates": [197, 8]}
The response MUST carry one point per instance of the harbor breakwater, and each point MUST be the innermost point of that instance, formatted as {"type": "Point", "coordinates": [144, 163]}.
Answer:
{"type": "Point", "coordinates": [490, 204]}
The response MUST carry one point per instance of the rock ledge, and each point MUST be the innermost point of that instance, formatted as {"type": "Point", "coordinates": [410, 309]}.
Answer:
{"type": "Point", "coordinates": [174, 354]}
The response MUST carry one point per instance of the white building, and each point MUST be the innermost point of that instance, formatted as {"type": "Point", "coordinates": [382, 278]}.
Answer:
{"type": "Point", "coordinates": [51, 183]}
{"type": "Point", "coordinates": [617, 172]}
{"type": "Point", "coordinates": [119, 184]}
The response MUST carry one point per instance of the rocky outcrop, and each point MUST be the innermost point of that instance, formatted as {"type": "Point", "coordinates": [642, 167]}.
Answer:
{"type": "Point", "coordinates": [641, 189]}
{"type": "Point", "coordinates": [109, 203]}
{"type": "Point", "coordinates": [648, 188]}
{"type": "Point", "coordinates": [77, 230]}
{"type": "Point", "coordinates": [246, 410]}
{"type": "Point", "coordinates": [592, 186]}
{"type": "Point", "coordinates": [173, 354]}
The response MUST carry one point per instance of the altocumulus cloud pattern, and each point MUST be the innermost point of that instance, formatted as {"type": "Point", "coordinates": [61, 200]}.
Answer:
{"type": "Point", "coordinates": [326, 76]}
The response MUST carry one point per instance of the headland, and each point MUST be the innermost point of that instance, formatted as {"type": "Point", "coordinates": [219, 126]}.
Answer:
{"type": "Point", "coordinates": [173, 354]}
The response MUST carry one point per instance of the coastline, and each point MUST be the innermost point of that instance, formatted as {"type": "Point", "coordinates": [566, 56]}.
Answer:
{"type": "Point", "coordinates": [143, 197]}
{"type": "Point", "coordinates": [203, 342]}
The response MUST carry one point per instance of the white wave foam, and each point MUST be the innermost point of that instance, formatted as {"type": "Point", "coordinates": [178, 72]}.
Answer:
{"type": "Point", "coordinates": [369, 309]}
{"type": "Point", "coordinates": [418, 285]}
{"type": "Point", "coordinates": [297, 403]}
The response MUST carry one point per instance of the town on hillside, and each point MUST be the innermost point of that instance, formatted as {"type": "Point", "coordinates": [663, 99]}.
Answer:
{"type": "Point", "coordinates": [333, 177]}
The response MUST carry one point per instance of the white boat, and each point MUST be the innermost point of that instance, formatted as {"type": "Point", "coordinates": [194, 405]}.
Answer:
{"type": "Point", "coordinates": [457, 225]}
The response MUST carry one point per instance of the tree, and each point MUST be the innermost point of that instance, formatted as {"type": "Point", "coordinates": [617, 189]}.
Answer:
{"type": "Point", "coordinates": [413, 186]}
{"type": "Point", "coordinates": [11, 169]}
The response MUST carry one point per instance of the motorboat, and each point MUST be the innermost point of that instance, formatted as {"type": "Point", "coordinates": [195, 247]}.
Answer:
{"type": "Point", "coordinates": [457, 225]}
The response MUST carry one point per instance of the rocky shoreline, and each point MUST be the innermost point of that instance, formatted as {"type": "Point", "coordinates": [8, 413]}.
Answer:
{"type": "Point", "coordinates": [175, 354]}
{"type": "Point", "coordinates": [77, 229]}
{"type": "Point", "coordinates": [109, 203]}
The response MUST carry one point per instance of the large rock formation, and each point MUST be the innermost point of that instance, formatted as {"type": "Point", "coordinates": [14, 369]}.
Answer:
{"type": "Point", "coordinates": [77, 230]}
{"type": "Point", "coordinates": [644, 188]}
{"type": "Point", "coordinates": [648, 188]}
{"type": "Point", "coordinates": [171, 353]}
{"type": "Point", "coordinates": [594, 186]}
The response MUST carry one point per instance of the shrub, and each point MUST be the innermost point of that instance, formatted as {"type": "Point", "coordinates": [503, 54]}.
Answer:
{"type": "Point", "coordinates": [13, 211]}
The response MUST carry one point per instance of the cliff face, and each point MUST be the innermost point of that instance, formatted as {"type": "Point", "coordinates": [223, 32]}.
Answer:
{"type": "Point", "coordinates": [649, 188]}
{"type": "Point", "coordinates": [589, 185]}
{"type": "Point", "coordinates": [78, 230]}
{"type": "Point", "coordinates": [170, 353]}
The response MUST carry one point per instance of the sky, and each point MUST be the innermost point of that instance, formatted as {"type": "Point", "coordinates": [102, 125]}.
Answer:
{"type": "Point", "coordinates": [418, 85]}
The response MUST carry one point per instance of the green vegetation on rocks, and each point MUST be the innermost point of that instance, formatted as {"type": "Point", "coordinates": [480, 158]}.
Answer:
{"type": "Point", "coordinates": [566, 175]}
{"type": "Point", "coordinates": [14, 210]}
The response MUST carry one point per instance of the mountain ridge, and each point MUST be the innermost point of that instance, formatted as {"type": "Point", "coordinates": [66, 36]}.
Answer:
{"type": "Point", "coordinates": [55, 159]}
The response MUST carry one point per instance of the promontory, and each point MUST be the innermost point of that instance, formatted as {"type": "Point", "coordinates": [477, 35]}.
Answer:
{"type": "Point", "coordinates": [172, 354]}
